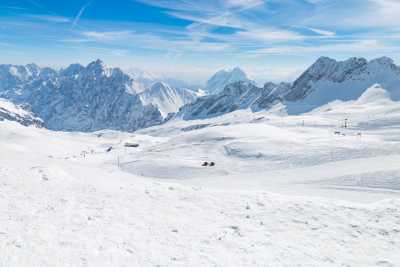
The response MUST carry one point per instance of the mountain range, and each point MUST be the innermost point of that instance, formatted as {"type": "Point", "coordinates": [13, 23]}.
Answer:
{"type": "Point", "coordinates": [94, 97]}
{"type": "Point", "coordinates": [325, 81]}
{"type": "Point", "coordinates": [78, 98]}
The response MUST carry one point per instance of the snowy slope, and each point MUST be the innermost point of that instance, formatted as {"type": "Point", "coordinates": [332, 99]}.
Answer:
{"type": "Point", "coordinates": [166, 98]}
{"type": "Point", "coordinates": [12, 112]}
{"type": "Point", "coordinates": [142, 79]}
{"type": "Point", "coordinates": [223, 78]}
{"type": "Point", "coordinates": [294, 151]}
{"type": "Point", "coordinates": [65, 202]}
{"type": "Point", "coordinates": [327, 80]}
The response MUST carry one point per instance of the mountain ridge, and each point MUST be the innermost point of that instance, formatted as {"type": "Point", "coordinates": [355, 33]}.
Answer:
{"type": "Point", "coordinates": [324, 81]}
{"type": "Point", "coordinates": [79, 98]}
{"type": "Point", "coordinates": [93, 97]}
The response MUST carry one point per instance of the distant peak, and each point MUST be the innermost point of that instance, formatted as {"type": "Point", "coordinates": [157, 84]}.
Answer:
{"type": "Point", "coordinates": [356, 60]}
{"type": "Point", "coordinates": [97, 65]}
{"type": "Point", "coordinates": [374, 93]}
{"type": "Point", "coordinates": [225, 77]}
{"type": "Point", "coordinates": [72, 69]}
{"type": "Point", "coordinates": [237, 69]}
{"type": "Point", "coordinates": [159, 84]}
{"type": "Point", "coordinates": [383, 61]}
{"type": "Point", "coordinates": [324, 60]}
{"type": "Point", "coordinates": [32, 66]}
{"type": "Point", "coordinates": [331, 61]}
{"type": "Point", "coordinates": [232, 70]}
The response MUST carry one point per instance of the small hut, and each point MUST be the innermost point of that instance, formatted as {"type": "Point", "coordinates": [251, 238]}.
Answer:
{"type": "Point", "coordinates": [131, 145]}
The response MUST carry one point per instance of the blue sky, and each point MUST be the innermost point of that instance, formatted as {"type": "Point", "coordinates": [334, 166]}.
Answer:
{"type": "Point", "coordinates": [191, 39]}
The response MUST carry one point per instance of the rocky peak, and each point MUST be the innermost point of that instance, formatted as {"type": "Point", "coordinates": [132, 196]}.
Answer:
{"type": "Point", "coordinates": [238, 88]}
{"type": "Point", "coordinates": [96, 67]}
{"type": "Point", "coordinates": [383, 64]}
{"type": "Point", "coordinates": [223, 78]}
{"type": "Point", "coordinates": [33, 69]}
{"type": "Point", "coordinates": [72, 69]}
{"type": "Point", "coordinates": [382, 61]}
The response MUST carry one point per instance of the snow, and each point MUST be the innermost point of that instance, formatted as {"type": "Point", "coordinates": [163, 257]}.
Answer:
{"type": "Point", "coordinates": [328, 80]}
{"type": "Point", "coordinates": [5, 104]}
{"type": "Point", "coordinates": [285, 190]}
{"type": "Point", "coordinates": [142, 79]}
{"type": "Point", "coordinates": [166, 98]}
{"type": "Point", "coordinates": [11, 112]}
{"type": "Point", "coordinates": [223, 78]}
{"type": "Point", "coordinates": [96, 97]}
{"type": "Point", "coordinates": [14, 71]}
{"type": "Point", "coordinates": [235, 96]}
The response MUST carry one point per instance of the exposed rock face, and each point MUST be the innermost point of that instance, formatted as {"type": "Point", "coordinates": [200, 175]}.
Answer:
{"type": "Point", "coordinates": [328, 80]}
{"type": "Point", "coordinates": [80, 98]}
{"type": "Point", "coordinates": [325, 81]}
{"type": "Point", "coordinates": [95, 97]}
{"type": "Point", "coordinates": [238, 95]}
{"type": "Point", "coordinates": [11, 112]}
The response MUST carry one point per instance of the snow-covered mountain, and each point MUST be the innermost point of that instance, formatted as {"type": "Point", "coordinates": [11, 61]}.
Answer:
{"type": "Point", "coordinates": [95, 97]}
{"type": "Point", "coordinates": [328, 80]}
{"type": "Point", "coordinates": [167, 98]}
{"type": "Point", "coordinates": [142, 79]}
{"type": "Point", "coordinates": [223, 78]}
{"type": "Point", "coordinates": [14, 77]}
{"type": "Point", "coordinates": [80, 98]}
{"type": "Point", "coordinates": [235, 96]}
{"type": "Point", "coordinates": [12, 112]}
{"type": "Point", "coordinates": [325, 81]}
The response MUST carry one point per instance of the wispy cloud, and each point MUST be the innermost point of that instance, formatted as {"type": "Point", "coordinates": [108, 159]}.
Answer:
{"type": "Point", "coordinates": [370, 14]}
{"type": "Point", "coordinates": [108, 36]}
{"type": "Point", "coordinates": [51, 18]}
{"type": "Point", "coordinates": [351, 48]}
{"type": "Point", "coordinates": [212, 12]}
{"type": "Point", "coordinates": [79, 14]}
{"type": "Point", "coordinates": [322, 32]}
{"type": "Point", "coordinates": [213, 33]}
{"type": "Point", "coordinates": [244, 3]}
{"type": "Point", "coordinates": [268, 35]}
{"type": "Point", "coordinates": [151, 41]}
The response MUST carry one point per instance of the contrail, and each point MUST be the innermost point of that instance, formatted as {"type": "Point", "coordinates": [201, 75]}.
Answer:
{"type": "Point", "coordinates": [80, 13]}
